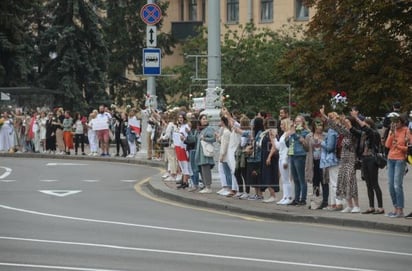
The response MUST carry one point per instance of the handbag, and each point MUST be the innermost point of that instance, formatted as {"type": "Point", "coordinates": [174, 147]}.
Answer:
{"type": "Point", "coordinates": [380, 160]}
{"type": "Point", "coordinates": [316, 199]}
{"type": "Point", "coordinates": [380, 154]}
{"type": "Point", "coordinates": [208, 148]}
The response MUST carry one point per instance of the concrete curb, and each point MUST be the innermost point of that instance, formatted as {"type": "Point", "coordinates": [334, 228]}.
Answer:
{"type": "Point", "coordinates": [158, 188]}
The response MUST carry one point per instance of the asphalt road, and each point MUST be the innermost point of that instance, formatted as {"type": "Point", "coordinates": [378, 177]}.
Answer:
{"type": "Point", "coordinates": [91, 215]}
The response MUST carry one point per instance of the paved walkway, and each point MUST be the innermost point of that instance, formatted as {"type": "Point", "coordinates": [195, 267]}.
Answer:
{"type": "Point", "coordinates": [266, 210]}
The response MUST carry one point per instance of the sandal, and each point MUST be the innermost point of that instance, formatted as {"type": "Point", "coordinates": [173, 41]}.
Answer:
{"type": "Point", "coordinates": [379, 212]}
{"type": "Point", "coordinates": [369, 211]}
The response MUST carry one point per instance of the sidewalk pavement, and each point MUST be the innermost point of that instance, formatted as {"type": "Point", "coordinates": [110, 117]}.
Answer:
{"type": "Point", "coordinates": [266, 210]}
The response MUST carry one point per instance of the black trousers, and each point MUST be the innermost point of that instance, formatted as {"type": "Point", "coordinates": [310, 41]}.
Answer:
{"type": "Point", "coordinates": [79, 140]}
{"type": "Point", "coordinates": [369, 171]}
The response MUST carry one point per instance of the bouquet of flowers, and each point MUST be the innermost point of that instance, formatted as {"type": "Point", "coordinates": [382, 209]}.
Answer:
{"type": "Point", "coordinates": [1, 122]}
{"type": "Point", "coordinates": [339, 100]}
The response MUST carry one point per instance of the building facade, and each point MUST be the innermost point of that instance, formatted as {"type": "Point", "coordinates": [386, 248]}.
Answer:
{"type": "Point", "coordinates": [183, 16]}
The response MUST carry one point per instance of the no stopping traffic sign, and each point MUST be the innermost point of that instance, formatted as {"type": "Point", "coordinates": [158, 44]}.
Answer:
{"type": "Point", "coordinates": [151, 14]}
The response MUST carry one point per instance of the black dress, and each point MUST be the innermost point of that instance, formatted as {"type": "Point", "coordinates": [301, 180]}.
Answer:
{"type": "Point", "coordinates": [50, 135]}
{"type": "Point", "coordinates": [270, 173]}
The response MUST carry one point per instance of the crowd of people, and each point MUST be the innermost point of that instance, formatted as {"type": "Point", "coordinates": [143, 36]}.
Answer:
{"type": "Point", "coordinates": [253, 154]}
{"type": "Point", "coordinates": [59, 131]}
{"type": "Point", "coordinates": [258, 154]}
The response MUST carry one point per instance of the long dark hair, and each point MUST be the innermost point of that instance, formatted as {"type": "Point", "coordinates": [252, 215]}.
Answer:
{"type": "Point", "coordinates": [258, 126]}
{"type": "Point", "coordinates": [200, 126]}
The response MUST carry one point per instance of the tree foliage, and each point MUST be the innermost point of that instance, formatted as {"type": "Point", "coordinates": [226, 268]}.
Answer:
{"type": "Point", "coordinates": [80, 47]}
{"type": "Point", "coordinates": [126, 33]}
{"type": "Point", "coordinates": [248, 65]}
{"type": "Point", "coordinates": [15, 41]}
{"type": "Point", "coordinates": [74, 52]}
{"type": "Point", "coordinates": [362, 47]}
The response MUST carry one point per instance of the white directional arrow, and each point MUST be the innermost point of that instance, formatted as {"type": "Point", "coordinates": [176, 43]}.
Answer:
{"type": "Point", "coordinates": [65, 164]}
{"type": "Point", "coordinates": [5, 174]}
{"type": "Point", "coordinates": [60, 193]}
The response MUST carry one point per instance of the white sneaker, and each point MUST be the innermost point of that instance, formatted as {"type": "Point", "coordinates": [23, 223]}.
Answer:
{"type": "Point", "coordinates": [280, 202]}
{"type": "Point", "coordinates": [179, 177]}
{"type": "Point", "coordinates": [165, 175]}
{"type": "Point", "coordinates": [244, 196]}
{"type": "Point", "coordinates": [95, 154]}
{"type": "Point", "coordinates": [355, 209]}
{"type": "Point", "coordinates": [269, 200]}
{"type": "Point", "coordinates": [220, 191]}
{"type": "Point", "coordinates": [238, 195]}
{"type": "Point", "coordinates": [205, 191]}
{"type": "Point", "coordinates": [225, 193]}
{"type": "Point", "coordinates": [130, 156]}
{"type": "Point", "coordinates": [346, 210]}
{"type": "Point", "coordinates": [287, 201]}
{"type": "Point", "coordinates": [170, 179]}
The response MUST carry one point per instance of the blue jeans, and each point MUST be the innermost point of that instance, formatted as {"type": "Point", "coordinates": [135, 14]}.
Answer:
{"type": "Point", "coordinates": [396, 171]}
{"type": "Point", "coordinates": [228, 174]}
{"type": "Point", "coordinates": [297, 164]}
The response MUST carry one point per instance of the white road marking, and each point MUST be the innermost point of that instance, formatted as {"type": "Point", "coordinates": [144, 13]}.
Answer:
{"type": "Point", "coordinates": [185, 253]}
{"type": "Point", "coordinates": [54, 267]}
{"type": "Point", "coordinates": [49, 181]}
{"type": "Point", "coordinates": [90, 181]}
{"type": "Point", "coordinates": [5, 174]}
{"type": "Point", "coordinates": [65, 164]}
{"type": "Point", "coordinates": [128, 181]}
{"type": "Point", "coordinates": [7, 181]}
{"type": "Point", "coordinates": [248, 237]}
{"type": "Point", "coordinates": [60, 193]}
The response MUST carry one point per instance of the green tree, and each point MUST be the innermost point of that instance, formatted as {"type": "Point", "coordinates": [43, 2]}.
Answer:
{"type": "Point", "coordinates": [361, 47]}
{"type": "Point", "coordinates": [249, 55]}
{"type": "Point", "coordinates": [74, 52]}
{"type": "Point", "coordinates": [125, 34]}
{"type": "Point", "coordinates": [15, 42]}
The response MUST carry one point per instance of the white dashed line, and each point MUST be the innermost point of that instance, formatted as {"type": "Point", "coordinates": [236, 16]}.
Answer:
{"type": "Point", "coordinates": [128, 181]}
{"type": "Point", "coordinates": [49, 181]}
{"type": "Point", "coordinates": [7, 181]}
{"type": "Point", "coordinates": [90, 181]}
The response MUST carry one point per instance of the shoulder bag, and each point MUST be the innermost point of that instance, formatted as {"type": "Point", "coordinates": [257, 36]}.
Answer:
{"type": "Point", "coordinates": [208, 148]}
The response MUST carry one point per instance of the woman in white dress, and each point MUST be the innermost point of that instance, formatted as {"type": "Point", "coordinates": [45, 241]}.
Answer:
{"type": "Point", "coordinates": [284, 170]}
{"type": "Point", "coordinates": [91, 135]}
{"type": "Point", "coordinates": [6, 133]}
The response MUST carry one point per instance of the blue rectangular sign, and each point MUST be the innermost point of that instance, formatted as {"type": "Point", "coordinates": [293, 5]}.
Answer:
{"type": "Point", "coordinates": [152, 59]}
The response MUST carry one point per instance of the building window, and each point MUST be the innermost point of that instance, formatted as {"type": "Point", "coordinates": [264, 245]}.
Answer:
{"type": "Point", "coordinates": [302, 12]}
{"type": "Point", "coordinates": [266, 10]}
{"type": "Point", "coordinates": [192, 10]}
{"type": "Point", "coordinates": [232, 11]}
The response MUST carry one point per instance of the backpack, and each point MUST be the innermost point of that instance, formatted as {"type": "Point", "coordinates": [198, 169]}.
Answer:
{"type": "Point", "coordinates": [338, 149]}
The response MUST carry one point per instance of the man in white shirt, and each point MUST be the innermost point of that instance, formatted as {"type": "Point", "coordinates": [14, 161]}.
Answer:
{"type": "Point", "coordinates": [101, 125]}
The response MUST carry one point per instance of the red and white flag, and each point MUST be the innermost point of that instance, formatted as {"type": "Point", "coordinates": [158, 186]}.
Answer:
{"type": "Point", "coordinates": [135, 125]}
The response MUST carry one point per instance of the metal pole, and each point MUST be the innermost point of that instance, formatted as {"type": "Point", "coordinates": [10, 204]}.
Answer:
{"type": "Point", "coordinates": [151, 81]}
{"type": "Point", "coordinates": [152, 102]}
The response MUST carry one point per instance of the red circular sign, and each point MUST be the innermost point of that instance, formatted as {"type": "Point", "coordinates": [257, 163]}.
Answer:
{"type": "Point", "coordinates": [151, 14]}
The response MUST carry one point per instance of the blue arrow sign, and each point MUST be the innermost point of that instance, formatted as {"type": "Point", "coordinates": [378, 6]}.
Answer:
{"type": "Point", "coordinates": [152, 60]}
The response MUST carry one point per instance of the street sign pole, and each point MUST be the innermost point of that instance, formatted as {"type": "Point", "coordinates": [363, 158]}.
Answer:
{"type": "Point", "coordinates": [151, 15]}
{"type": "Point", "coordinates": [151, 81]}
